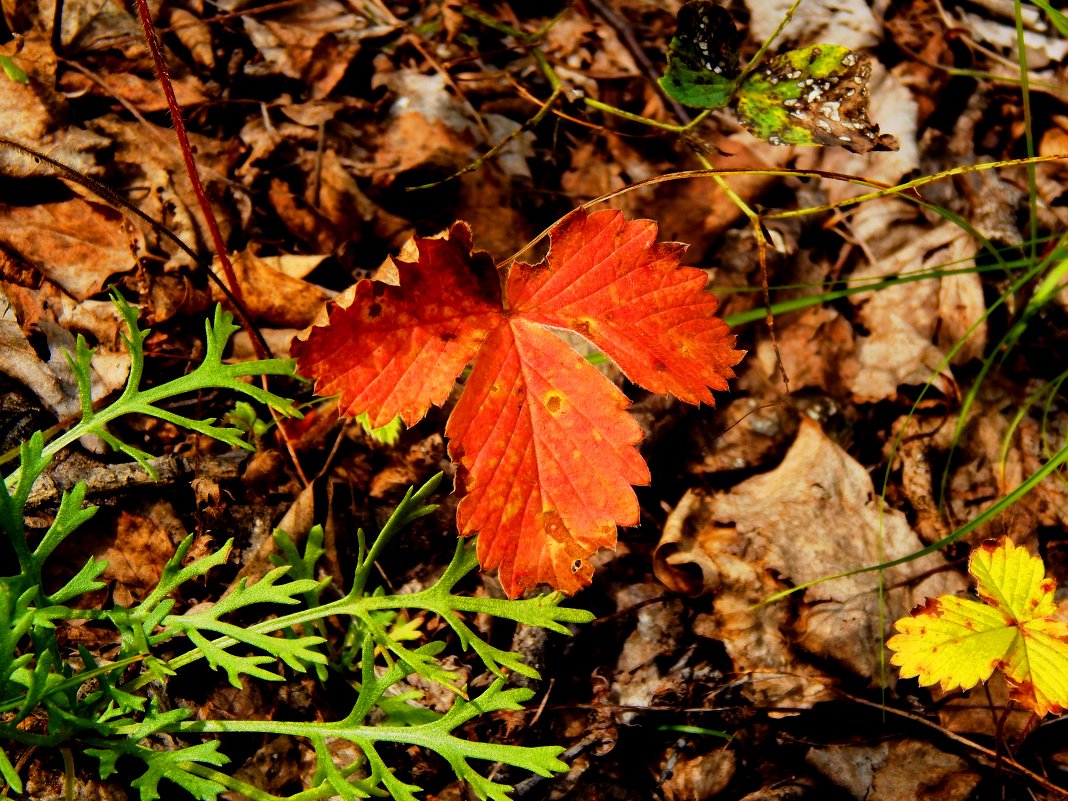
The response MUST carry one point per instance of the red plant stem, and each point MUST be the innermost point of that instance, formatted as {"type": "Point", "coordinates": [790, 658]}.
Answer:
{"type": "Point", "coordinates": [258, 344]}
{"type": "Point", "coordinates": [190, 163]}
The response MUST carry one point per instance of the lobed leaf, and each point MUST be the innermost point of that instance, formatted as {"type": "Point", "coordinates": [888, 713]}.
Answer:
{"type": "Point", "coordinates": [395, 351]}
{"type": "Point", "coordinates": [174, 765]}
{"type": "Point", "coordinates": [544, 447]}
{"type": "Point", "coordinates": [957, 642]}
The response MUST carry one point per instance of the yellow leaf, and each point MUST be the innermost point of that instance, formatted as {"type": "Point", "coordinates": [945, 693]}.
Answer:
{"type": "Point", "coordinates": [958, 642]}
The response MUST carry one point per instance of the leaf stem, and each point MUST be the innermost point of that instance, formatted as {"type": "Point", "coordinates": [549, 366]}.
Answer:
{"type": "Point", "coordinates": [627, 115]}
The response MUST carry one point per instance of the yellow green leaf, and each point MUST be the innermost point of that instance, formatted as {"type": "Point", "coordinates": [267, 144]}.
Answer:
{"type": "Point", "coordinates": [958, 642]}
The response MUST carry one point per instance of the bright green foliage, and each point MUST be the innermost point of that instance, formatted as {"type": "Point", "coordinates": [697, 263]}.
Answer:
{"type": "Point", "coordinates": [106, 708]}
{"type": "Point", "coordinates": [244, 418]}
{"type": "Point", "coordinates": [384, 435]}
{"type": "Point", "coordinates": [212, 373]}
{"type": "Point", "coordinates": [703, 66]}
{"type": "Point", "coordinates": [12, 70]}
{"type": "Point", "coordinates": [817, 95]}
{"type": "Point", "coordinates": [958, 642]}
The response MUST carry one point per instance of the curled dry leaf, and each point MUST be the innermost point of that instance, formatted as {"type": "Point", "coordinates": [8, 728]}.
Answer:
{"type": "Point", "coordinates": [814, 515]}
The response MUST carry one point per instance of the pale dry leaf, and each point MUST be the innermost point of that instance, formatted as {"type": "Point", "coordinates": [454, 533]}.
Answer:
{"type": "Point", "coordinates": [913, 326]}
{"type": "Point", "coordinates": [813, 516]}
{"type": "Point", "coordinates": [1044, 49]}
{"type": "Point", "coordinates": [34, 115]}
{"type": "Point", "coordinates": [849, 23]}
{"type": "Point", "coordinates": [22, 363]}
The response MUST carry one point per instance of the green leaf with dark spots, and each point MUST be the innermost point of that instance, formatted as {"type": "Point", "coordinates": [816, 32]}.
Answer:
{"type": "Point", "coordinates": [703, 62]}
{"type": "Point", "coordinates": [817, 95]}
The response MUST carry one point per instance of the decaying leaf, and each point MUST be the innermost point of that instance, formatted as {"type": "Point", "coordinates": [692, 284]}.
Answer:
{"type": "Point", "coordinates": [814, 515]}
{"type": "Point", "coordinates": [817, 95]}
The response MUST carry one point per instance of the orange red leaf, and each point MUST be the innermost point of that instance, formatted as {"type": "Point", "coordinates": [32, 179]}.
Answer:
{"type": "Point", "coordinates": [544, 448]}
{"type": "Point", "coordinates": [397, 350]}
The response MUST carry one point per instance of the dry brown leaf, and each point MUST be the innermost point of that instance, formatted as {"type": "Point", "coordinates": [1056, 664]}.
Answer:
{"type": "Point", "coordinates": [894, 357]}
{"type": "Point", "coordinates": [697, 778]}
{"type": "Point", "coordinates": [640, 675]}
{"type": "Point", "coordinates": [698, 212]}
{"type": "Point", "coordinates": [344, 205]}
{"type": "Point", "coordinates": [271, 296]}
{"type": "Point", "coordinates": [312, 42]}
{"type": "Point", "coordinates": [817, 348]}
{"type": "Point", "coordinates": [55, 316]}
{"type": "Point", "coordinates": [147, 165]}
{"type": "Point", "coordinates": [407, 467]}
{"type": "Point", "coordinates": [29, 109]}
{"type": "Point", "coordinates": [141, 92]}
{"type": "Point", "coordinates": [32, 115]}
{"type": "Point", "coordinates": [140, 547]}
{"type": "Point", "coordinates": [195, 36]}
{"type": "Point", "coordinates": [412, 140]}
{"type": "Point", "coordinates": [100, 25]}
{"type": "Point", "coordinates": [900, 769]}
{"type": "Point", "coordinates": [74, 243]}
{"type": "Point", "coordinates": [749, 435]}
{"type": "Point", "coordinates": [813, 516]}
{"type": "Point", "coordinates": [983, 711]}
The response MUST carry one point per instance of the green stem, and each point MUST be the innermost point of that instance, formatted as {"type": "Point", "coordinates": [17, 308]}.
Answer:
{"type": "Point", "coordinates": [664, 126]}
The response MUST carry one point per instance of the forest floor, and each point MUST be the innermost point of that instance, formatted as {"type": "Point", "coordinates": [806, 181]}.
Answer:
{"type": "Point", "coordinates": [910, 382]}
